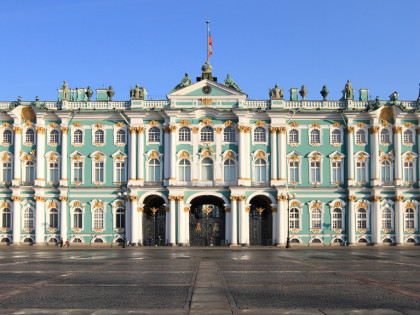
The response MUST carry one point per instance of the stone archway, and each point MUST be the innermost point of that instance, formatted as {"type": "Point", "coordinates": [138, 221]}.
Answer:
{"type": "Point", "coordinates": [260, 221]}
{"type": "Point", "coordinates": [207, 221]}
{"type": "Point", "coordinates": [154, 221]}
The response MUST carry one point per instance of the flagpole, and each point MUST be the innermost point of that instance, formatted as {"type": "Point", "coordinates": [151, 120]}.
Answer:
{"type": "Point", "coordinates": [208, 22]}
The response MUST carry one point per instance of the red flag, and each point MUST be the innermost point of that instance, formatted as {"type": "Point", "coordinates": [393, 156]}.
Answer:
{"type": "Point", "coordinates": [210, 45]}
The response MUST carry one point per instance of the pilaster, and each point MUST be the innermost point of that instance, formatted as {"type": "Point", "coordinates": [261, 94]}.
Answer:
{"type": "Point", "coordinates": [282, 155]}
{"type": "Point", "coordinates": [39, 220]}
{"type": "Point", "coordinates": [181, 221]}
{"type": "Point", "coordinates": [242, 221]}
{"type": "Point", "coordinates": [16, 220]}
{"type": "Point", "coordinates": [63, 217]}
{"type": "Point", "coordinates": [132, 156]}
{"type": "Point", "coordinates": [40, 156]}
{"type": "Point", "coordinates": [398, 163]}
{"type": "Point", "coordinates": [172, 220]}
{"type": "Point", "coordinates": [350, 160]}
{"type": "Point", "coordinates": [281, 221]}
{"type": "Point", "coordinates": [17, 165]}
{"type": "Point", "coordinates": [134, 238]}
{"type": "Point", "coordinates": [140, 210]}
{"type": "Point", "coordinates": [376, 219]}
{"type": "Point", "coordinates": [234, 221]}
{"type": "Point", "coordinates": [172, 155]}
{"type": "Point", "coordinates": [374, 140]}
{"type": "Point", "coordinates": [244, 179]}
{"type": "Point", "coordinates": [218, 167]}
{"type": "Point", "coordinates": [399, 220]}
{"type": "Point", "coordinates": [64, 156]}
{"type": "Point", "coordinates": [351, 233]}
{"type": "Point", "coordinates": [140, 156]}
{"type": "Point", "coordinates": [273, 149]}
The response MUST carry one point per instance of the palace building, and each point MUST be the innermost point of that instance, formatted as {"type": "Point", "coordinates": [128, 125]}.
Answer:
{"type": "Point", "coordinates": [210, 167]}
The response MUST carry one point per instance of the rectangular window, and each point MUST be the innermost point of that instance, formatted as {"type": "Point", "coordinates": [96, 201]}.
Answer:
{"type": "Point", "coordinates": [53, 172]}
{"type": "Point", "coordinates": [7, 172]}
{"type": "Point", "coordinates": [77, 172]}
{"type": "Point", "coordinates": [99, 172]}
{"type": "Point", "coordinates": [120, 172]}
{"type": "Point", "coordinates": [293, 171]}
{"type": "Point", "coordinates": [315, 172]}
{"type": "Point", "coordinates": [408, 172]}
{"type": "Point", "coordinates": [336, 172]}
{"type": "Point", "coordinates": [361, 172]}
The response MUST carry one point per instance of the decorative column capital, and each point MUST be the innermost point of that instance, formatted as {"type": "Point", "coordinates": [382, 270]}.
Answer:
{"type": "Point", "coordinates": [140, 129]}
{"type": "Point", "coordinates": [166, 129]}
{"type": "Point", "coordinates": [140, 209]}
{"type": "Point", "coordinates": [17, 130]}
{"type": "Point", "coordinates": [281, 129]}
{"type": "Point", "coordinates": [134, 198]}
{"type": "Point", "coordinates": [176, 198]}
{"type": "Point", "coordinates": [273, 129]}
{"type": "Point", "coordinates": [63, 198]}
{"type": "Point", "coordinates": [399, 198]}
{"type": "Point", "coordinates": [64, 130]}
{"type": "Point", "coordinates": [40, 130]}
{"type": "Point", "coordinates": [187, 209]}
{"type": "Point", "coordinates": [281, 198]}
{"type": "Point", "coordinates": [219, 130]}
{"type": "Point", "coordinates": [244, 129]}
{"type": "Point", "coordinates": [352, 198]}
{"type": "Point", "coordinates": [172, 128]}
{"type": "Point", "coordinates": [195, 130]}
{"type": "Point", "coordinates": [39, 198]}
{"type": "Point", "coordinates": [16, 198]}
{"type": "Point", "coordinates": [237, 198]}
{"type": "Point", "coordinates": [132, 130]}
{"type": "Point", "coordinates": [374, 129]}
{"type": "Point", "coordinates": [397, 129]}
{"type": "Point", "coordinates": [350, 129]}
{"type": "Point", "coordinates": [375, 198]}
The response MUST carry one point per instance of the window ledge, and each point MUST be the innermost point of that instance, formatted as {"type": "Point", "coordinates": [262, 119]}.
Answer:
{"type": "Point", "coordinates": [409, 230]}
{"type": "Point", "coordinates": [337, 144]}
{"type": "Point", "coordinates": [316, 230]}
{"type": "Point", "coordinates": [76, 230]}
{"type": "Point", "coordinates": [6, 144]}
{"type": "Point", "coordinates": [53, 144]}
{"type": "Point", "coordinates": [294, 144]}
{"type": "Point", "coordinates": [77, 144]}
{"type": "Point", "coordinates": [338, 231]}
{"type": "Point", "coordinates": [361, 144]}
{"type": "Point", "coordinates": [4, 230]}
{"type": "Point", "coordinates": [119, 144]}
{"type": "Point", "coordinates": [361, 230]}
{"type": "Point", "coordinates": [98, 144]}
{"type": "Point", "coordinates": [28, 144]}
{"type": "Point", "coordinates": [98, 230]}
{"type": "Point", "coordinates": [52, 230]}
{"type": "Point", "coordinates": [408, 144]}
{"type": "Point", "coordinates": [315, 144]}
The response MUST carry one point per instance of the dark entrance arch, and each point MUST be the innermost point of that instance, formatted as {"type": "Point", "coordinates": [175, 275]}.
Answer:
{"type": "Point", "coordinates": [207, 221]}
{"type": "Point", "coordinates": [154, 221]}
{"type": "Point", "coordinates": [260, 221]}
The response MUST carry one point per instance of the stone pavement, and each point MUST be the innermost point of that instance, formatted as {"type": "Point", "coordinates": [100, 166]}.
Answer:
{"type": "Point", "coordinates": [209, 281]}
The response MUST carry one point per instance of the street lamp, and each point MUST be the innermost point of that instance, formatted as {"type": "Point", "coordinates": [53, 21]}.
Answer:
{"type": "Point", "coordinates": [120, 196]}
{"type": "Point", "coordinates": [288, 196]}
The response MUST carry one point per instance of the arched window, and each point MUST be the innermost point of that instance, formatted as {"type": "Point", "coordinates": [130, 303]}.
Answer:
{"type": "Point", "coordinates": [336, 136]}
{"type": "Point", "coordinates": [29, 172]}
{"type": "Point", "coordinates": [184, 170]}
{"type": "Point", "coordinates": [360, 136]}
{"type": "Point", "coordinates": [78, 136]}
{"type": "Point", "coordinates": [30, 136]}
{"type": "Point", "coordinates": [154, 134]}
{"type": "Point", "coordinates": [229, 135]}
{"type": "Point", "coordinates": [408, 137]}
{"type": "Point", "coordinates": [77, 218]}
{"type": "Point", "coordinates": [184, 134]}
{"type": "Point", "coordinates": [386, 175]}
{"type": "Point", "coordinates": [207, 134]}
{"type": "Point", "coordinates": [54, 136]}
{"type": "Point", "coordinates": [120, 218]}
{"type": "Point", "coordinates": [6, 222]}
{"type": "Point", "coordinates": [28, 219]}
{"type": "Point", "coordinates": [386, 218]}
{"type": "Point", "coordinates": [294, 220]}
{"type": "Point", "coordinates": [229, 170]}
{"type": "Point", "coordinates": [120, 136]}
{"type": "Point", "coordinates": [98, 219]}
{"type": "Point", "coordinates": [408, 174]}
{"type": "Point", "coordinates": [154, 170]}
{"type": "Point", "coordinates": [316, 219]}
{"type": "Point", "coordinates": [260, 171]}
{"type": "Point", "coordinates": [53, 218]}
{"type": "Point", "coordinates": [293, 136]}
{"type": "Point", "coordinates": [260, 135]}
{"type": "Point", "coordinates": [207, 169]}
{"type": "Point", "coordinates": [315, 136]}
{"type": "Point", "coordinates": [361, 219]}
{"type": "Point", "coordinates": [409, 219]}
{"type": "Point", "coordinates": [337, 219]}
{"type": "Point", "coordinates": [99, 136]}
{"type": "Point", "coordinates": [7, 136]}
{"type": "Point", "coordinates": [385, 136]}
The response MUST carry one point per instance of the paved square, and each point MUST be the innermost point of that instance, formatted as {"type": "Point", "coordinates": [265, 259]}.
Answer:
{"type": "Point", "coordinates": [209, 281]}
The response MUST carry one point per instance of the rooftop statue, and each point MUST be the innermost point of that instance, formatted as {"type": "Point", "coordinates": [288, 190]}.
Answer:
{"type": "Point", "coordinates": [418, 98]}
{"type": "Point", "coordinates": [348, 89]}
{"type": "Point", "coordinates": [276, 93]}
{"type": "Point", "coordinates": [324, 92]}
{"type": "Point", "coordinates": [186, 81]}
{"type": "Point", "coordinates": [19, 101]}
{"type": "Point", "coordinates": [65, 88]}
{"type": "Point", "coordinates": [231, 84]}
{"type": "Point", "coordinates": [394, 97]}
{"type": "Point", "coordinates": [89, 93]}
{"type": "Point", "coordinates": [374, 105]}
{"type": "Point", "coordinates": [110, 92]}
{"type": "Point", "coordinates": [303, 91]}
{"type": "Point", "coordinates": [137, 93]}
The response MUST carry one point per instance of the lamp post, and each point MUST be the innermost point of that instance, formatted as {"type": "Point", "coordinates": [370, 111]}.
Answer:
{"type": "Point", "coordinates": [288, 196]}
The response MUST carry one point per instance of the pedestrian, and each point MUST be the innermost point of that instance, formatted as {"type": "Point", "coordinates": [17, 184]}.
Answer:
{"type": "Point", "coordinates": [61, 242]}
{"type": "Point", "coordinates": [124, 241]}
{"type": "Point", "coordinates": [67, 243]}
{"type": "Point", "coordinates": [150, 241]}
{"type": "Point", "coordinates": [159, 240]}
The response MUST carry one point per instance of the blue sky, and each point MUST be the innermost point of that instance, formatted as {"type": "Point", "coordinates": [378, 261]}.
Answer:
{"type": "Point", "coordinates": [373, 43]}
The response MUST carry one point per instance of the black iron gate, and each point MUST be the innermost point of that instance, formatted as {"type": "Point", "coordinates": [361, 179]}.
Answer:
{"type": "Point", "coordinates": [260, 226]}
{"type": "Point", "coordinates": [154, 226]}
{"type": "Point", "coordinates": [207, 226]}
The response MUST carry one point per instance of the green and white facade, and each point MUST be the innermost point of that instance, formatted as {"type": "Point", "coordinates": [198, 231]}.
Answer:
{"type": "Point", "coordinates": [92, 171]}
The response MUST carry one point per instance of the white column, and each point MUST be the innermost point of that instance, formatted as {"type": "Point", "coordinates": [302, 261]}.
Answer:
{"type": "Point", "coordinates": [194, 166]}
{"type": "Point", "coordinates": [273, 146]}
{"type": "Point", "coordinates": [167, 157]}
{"type": "Point", "coordinates": [274, 224]}
{"type": "Point", "coordinates": [398, 165]}
{"type": "Point", "coordinates": [132, 155]}
{"type": "Point", "coordinates": [40, 156]}
{"type": "Point", "coordinates": [228, 224]}
{"type": "Point", "coordinates": [63, 218]}
{"type": "Point", "coordinates": [16, 220]}
{"type": "Point", "coordinates": [17, 164]}
{"type": "Point", "coordinates": [134, 221]}
{"type": "Point", "coordinates": [374, 139]}
{"type": "Point", "coordinates": [172, 220]}
{"type": "Point", "coordinates": [140, 223]}
{"type": "Point", "coordinates": [247, 157]}
{"type": "Point", "coordinates": [172, 155]}
{"type": "Point", "coordinates": [281, 221]}
{"type": "Point", "coordinates": [218, 166]}
{"type": "Point", "coordinates": [241, 156]}
{"type": "Point", "coordinates": [282, 155]}
{"type": "Point", "coordinates": [181, 222]}
{"type": "Point", "coordinates": [140, 155]}
{"type": "Point", "coordinates": [64, 156]}
{"type": "Point", "coordinates": [39, 220]}
{"type": "Point", "coordinates": [350, 160]}
{"type": "Point", "coordinates": [246, 218]}
{"type": "Point", "coordinates": [127, 219]}
{"type": "Point", "coordinates": [234, 221]}
{"type": "Point", "coordinates": [351, 215]}
{"type": "Point", "coordinates": [242, 221]}
{"type": "Point", "coordinates": [399, 220]}
{"type": "Point", "coordinates": [375, 220]}
{"type": "Point", "coordinates": [187, 222]}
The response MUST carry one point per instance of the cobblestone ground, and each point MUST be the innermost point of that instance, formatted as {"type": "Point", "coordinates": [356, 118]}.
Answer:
{"type": "Point", "coordinates": [209, 281]}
